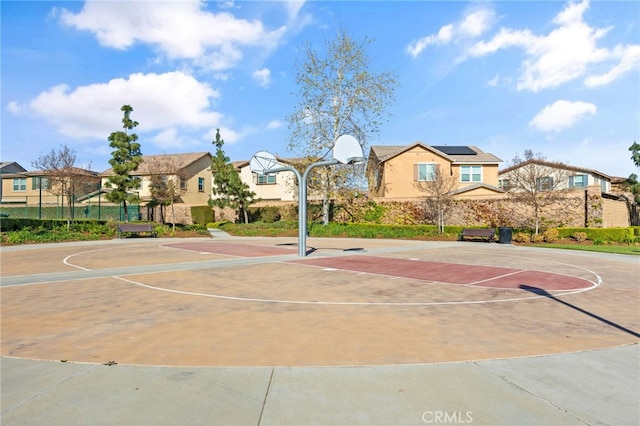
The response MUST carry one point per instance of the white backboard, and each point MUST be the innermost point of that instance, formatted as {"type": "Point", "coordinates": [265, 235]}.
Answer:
{"type": "Point", "coordinates": [346, 149]}
{"type": "Point", "coordinates": [262, 162]}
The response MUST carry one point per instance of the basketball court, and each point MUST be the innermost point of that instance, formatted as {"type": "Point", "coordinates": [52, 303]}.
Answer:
{"type": "Point", "coordinates": [255, 302]}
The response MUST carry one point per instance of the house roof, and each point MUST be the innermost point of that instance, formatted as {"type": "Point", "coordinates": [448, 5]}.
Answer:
{"type": "Point", "coordinates": [35, 173]}
{"type": "Point", "coordinates": [556, 165]}
{"type": "Point", "coordinates": [476, 186]}
{"type": "Point", "coordinates": [152, 163]}
{"type": "Point", "coordinates": [456, 155]}
{"type": "Point", "coordinates": [11, 167]}
{"type": "Point", "coordinates": [285, 161]}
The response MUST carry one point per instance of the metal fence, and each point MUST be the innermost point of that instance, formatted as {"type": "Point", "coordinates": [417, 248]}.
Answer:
{"type": "Point", "coordinates": [31, 208]}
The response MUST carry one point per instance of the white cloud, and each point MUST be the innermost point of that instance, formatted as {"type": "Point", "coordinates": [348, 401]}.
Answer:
{"type": "Point", "coordinates": [566, 53]}
{"type": "Point", "coordinates": [179, 29]}
{"type": "Point", "coordinates": [561, 115]}
{"type": "Point", "coordinates": [262, 76]}
{"type": "Point", "coordinates": [229, 136]}
{"type": "Point", "coordinates": [629, 57]}
{"type": "Point", "coordinates": [476, 23]}
{"type": "Point", "coordinates": [159, 101]}
{"type": "Point", "coordinates": [14, 108]}
{"type": "Point", "coordinates": [168, 138]}
{"type": "Point", "coordinates": [472, 25]}
{"type": "Point", "coordinates": [274, 124]}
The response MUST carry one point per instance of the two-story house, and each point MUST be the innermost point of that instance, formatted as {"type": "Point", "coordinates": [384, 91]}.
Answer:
{"type": "Point", "coordinates": [273, 188]}
{"type": "Point", "coordinates": [46, 188]}
{"type": "Point", "coordinates": [395, 172]}
{"type": "Point", "coordinates": [191, 173]}
{"type": "Point", "coordinates": [556, 175]}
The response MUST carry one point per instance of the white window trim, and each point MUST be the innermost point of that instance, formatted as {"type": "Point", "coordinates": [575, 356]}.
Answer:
{"type": "Point", "coordinates": [471, 173]}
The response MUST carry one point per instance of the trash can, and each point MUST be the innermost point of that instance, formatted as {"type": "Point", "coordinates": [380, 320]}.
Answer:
{"type": "Point", "coordinates": [505, 234]}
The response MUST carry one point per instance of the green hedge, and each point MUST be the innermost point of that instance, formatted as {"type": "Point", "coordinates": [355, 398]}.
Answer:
{"type": "Point", "coordinates": [16, 224]}
{"type": "Point", "coordinates": [201, 215]}
{"type": "Point", "coordinates": [601, 234]}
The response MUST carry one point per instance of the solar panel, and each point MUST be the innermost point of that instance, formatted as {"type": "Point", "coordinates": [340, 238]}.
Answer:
{"type": "Point", "coordinates": [455, 150]}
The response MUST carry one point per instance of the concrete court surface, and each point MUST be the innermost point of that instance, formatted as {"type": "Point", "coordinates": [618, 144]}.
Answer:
{"type": "Point", "coordinates": [242, 331]}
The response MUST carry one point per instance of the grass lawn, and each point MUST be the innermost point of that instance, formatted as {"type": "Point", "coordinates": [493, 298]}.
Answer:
{"type": "Point", "coordinates": [633, 250]}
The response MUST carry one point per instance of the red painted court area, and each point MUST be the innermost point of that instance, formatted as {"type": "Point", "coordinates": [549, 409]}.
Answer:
{"type": "Point", "coordinates": [450, 273]}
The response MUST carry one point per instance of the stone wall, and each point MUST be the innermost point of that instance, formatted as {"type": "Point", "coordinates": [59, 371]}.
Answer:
{"type": "Point", "coordinates": [615, 214]}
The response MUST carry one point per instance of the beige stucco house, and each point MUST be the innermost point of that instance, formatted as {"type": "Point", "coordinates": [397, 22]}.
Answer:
{"type": "Point", "coordinates": [571, 177]}
{"type": "Point", "coordinates": [399, 172]}
{"type": "Point", "coordinates": [271, 189]}
{"type": "Point", "coordinates": [33, 188]}
{"type": "Point", "coordinates": [591, 186]}
{"type": "Point", "coordinates": [191, 171]}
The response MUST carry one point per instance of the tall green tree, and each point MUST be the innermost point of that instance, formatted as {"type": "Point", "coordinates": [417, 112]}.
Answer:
{"type": "Point", "coordinates": [338, 93]}
{"type": "Point", "coordinates": [228, 189]}
{"type": "Point", "coordinates": [126, 158]}
{"type": "Point", "coordinates": [635, 153]}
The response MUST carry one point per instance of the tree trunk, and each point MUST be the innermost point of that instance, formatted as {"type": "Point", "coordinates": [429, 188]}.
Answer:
{"type": "Point", "coordinates": [173, 216]}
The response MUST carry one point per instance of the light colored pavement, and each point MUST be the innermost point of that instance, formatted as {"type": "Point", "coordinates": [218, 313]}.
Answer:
{"type": "Point", "coordinates": [203, 337]}
{"type": "Point", "coordinates": [598, 387]}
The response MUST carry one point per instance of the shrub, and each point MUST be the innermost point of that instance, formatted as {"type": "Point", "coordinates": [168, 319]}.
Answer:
{"type": "Point", "coordinates": [521, 237]}
{"type": "Point", "coordinates": [550, 235]}
{"type": "Point", "coordinates": [579, 236]}
{"type": "Point", "coordinates": [201, 214]}
{"type": "Point", "coordinates": [537, 238]}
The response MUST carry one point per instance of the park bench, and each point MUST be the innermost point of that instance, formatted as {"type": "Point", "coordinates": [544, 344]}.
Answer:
{"type": "Point", "coordinates": [482, 233]}
{"type": "Point", "coordinates": [135, 228]}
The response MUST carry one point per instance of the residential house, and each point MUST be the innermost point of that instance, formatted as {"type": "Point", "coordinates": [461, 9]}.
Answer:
{"type": "Point", "coordinates": [572, 177]}
{"type": "Point", "coordinates": [601, 207]}
{"type": "Point", "coordinates": [7, 167]}
{"type": "Point", "coordinates": [32, 188]}
{"type": "Point", "coordinates": [400, 172]}
{"type": "Point", "coordinates": [273, 188]}
{"type": "Point", "coordinates": [191, 170]}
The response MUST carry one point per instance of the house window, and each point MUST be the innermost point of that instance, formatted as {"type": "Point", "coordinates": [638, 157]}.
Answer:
{"type": "Point", "coordinates": [504, 183]}
{"type": "Point", "coordinates": [470, 173]}
{"type": "Point", "coordinates": [269, 179]}
{"type": "Point", "coordinates": [578, 181]}
{"type": "Point", "coordinates": [603, 186]}
{"type": "Point", "coordinates": [40, 182]}
{"type": "Point", "coordinates": [183, 184]}
{"type": "Point", "coordinates": [544, 183]}
{"type": "Point", "coordinates": [425, 172]}
{"type": "Point", "coordinates": [200, 184]}
{"type": "Point", "coordinates": [20, 184]}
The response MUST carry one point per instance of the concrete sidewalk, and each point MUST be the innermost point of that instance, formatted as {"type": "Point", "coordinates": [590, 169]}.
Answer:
{"type": "Point", "coordinates": [591, 387]}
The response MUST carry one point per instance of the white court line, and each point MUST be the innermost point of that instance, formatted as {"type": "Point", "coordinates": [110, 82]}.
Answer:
{"type": "Point", "coordinates": [308, 302]}
{"type": "Point", "coordinates": [495, 278]}
{"type": "Point", "coordinates": [302, 302]}
{"type": "Point", "coordinates": [66, 259]}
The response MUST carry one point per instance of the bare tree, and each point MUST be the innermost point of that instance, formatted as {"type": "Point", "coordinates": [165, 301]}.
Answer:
{"type": "Point", "coordinates": [338, 93]}
{"type": "Point", "coordinates": [168, 183]}
{"type": "Point", "coordinates": [438, 184]}
{"type": "Point", "coordinates": [536, 182]}
{"type": "Point", "coordinates": [64, 179]}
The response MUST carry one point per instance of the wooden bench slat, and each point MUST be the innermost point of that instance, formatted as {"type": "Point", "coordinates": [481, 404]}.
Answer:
{"type": "Point", "coordinates": [484, 233]}
{"type": "Point", "coordinates": [135, 228]}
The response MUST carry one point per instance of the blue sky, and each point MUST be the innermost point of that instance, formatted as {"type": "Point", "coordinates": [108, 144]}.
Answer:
{"type": "Point", "coordinates": [559, 78]}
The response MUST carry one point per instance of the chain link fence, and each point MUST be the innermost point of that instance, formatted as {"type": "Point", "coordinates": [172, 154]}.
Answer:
{"type": "Point", "coordinates": [32, 208]}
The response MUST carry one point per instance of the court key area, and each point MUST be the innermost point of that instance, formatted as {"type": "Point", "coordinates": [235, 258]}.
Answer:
{"type": "Point", "coordinates": [255, 302]}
